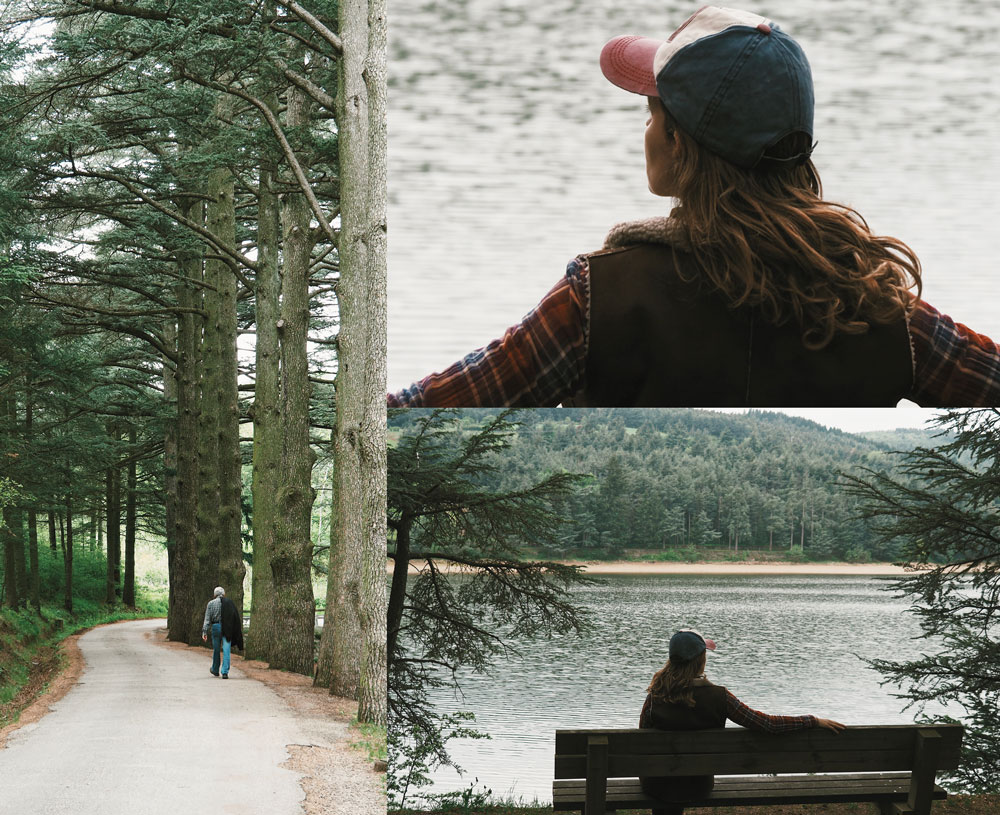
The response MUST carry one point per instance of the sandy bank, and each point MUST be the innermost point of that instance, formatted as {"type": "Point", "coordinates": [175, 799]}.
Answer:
{"type": "Point", "coordinates": [630, 567]}
{"type": "Point", "coordinates": [633, 567]}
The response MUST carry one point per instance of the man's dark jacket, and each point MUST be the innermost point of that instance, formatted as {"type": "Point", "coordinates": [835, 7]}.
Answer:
{"type": "Point", "coordinates": [232, 623]}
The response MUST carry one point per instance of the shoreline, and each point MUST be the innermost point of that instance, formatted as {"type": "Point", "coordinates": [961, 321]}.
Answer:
{"type": "Point", "coordinates": [612, 567]}
{"type": "Point", "coordinates": [748, 567]}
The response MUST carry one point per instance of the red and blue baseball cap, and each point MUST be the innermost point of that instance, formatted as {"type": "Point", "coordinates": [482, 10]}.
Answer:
{"type": "Point", "coordinates": [732, 80]}
{"type": "Point", "coordinates": [687, 644]}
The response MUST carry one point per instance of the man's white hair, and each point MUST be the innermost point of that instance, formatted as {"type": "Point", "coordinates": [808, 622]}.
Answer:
{"type": "Point", "coordinates": [220, 592]}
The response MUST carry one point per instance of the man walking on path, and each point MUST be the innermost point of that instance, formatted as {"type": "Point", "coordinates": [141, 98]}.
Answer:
{"type": "Point", "coordinates": [214, 620]}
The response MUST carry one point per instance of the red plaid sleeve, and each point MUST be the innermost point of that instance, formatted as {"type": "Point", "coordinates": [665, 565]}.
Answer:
{"type": "Point", "coordinates": [537, 363]}
{"type": "Point", "coordinates": [953, 366]}
{"type": "Point", "coordinates": [747, 717]}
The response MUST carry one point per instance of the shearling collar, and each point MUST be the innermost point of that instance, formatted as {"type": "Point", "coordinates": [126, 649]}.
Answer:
{"type": "Point", "coordinates": [662, 230]}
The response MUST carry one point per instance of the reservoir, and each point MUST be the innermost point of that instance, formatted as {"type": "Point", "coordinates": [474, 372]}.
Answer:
{"type": "Point", "coordinates": [786, 645]}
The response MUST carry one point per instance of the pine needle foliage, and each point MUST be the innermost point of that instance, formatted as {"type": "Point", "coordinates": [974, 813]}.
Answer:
{"type": "Point", "coordinates": [461, 590]}
{"type": "Point", "coordinates": [943, 503]}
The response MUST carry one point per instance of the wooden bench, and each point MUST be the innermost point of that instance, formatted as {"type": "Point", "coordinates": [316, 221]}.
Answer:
{"type": "Point", "coordinates": [892, 766]}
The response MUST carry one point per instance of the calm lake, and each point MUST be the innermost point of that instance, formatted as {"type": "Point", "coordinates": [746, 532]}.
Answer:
{"type": "Point", "coordinates": [786, 645]}
{"type": "Point", "coordinates": [509, 153]}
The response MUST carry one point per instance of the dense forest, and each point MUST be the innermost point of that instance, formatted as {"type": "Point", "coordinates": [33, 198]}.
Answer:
{"type": "Point", "coordinates": [685, 484]}
{"type": "Point", "coordinates": [192, 312]}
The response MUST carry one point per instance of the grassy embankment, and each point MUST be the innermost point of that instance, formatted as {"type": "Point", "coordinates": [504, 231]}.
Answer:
{"type": "Point", "coordinates": [30, 656]}
{"type": "Point", "coordinates": [29, 647]}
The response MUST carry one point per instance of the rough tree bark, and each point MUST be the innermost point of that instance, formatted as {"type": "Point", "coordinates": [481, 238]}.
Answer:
{"type": "Point", "coordinates": [221, 220]}
{"type": "Point", "coordinates": [183, 600]}
{"type": "Point", "coordinates": [68, 557]}
{"type": "Point", "coordinates": [112, 582]}
{"type": "Point", "coordinates": [128, 586]}
{"type": "Point", "coordinates": [207, 542]}
{"type": "Point", "coordinates": [34, 581]}
{"type": "Point", "coordinates": [352, 652]}
{"type": "Point", "coordinates": [291, 556]}
{"type": "Point", "coordinates": [12, 598]}
{"type": "Point", "coordinates": [170, 460]}
{"type": "Point", "coordinates": [265, 630]}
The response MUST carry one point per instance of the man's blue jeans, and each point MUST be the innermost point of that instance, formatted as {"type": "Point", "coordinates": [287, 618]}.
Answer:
{"type": "Point", "coordinates": [217, 640]}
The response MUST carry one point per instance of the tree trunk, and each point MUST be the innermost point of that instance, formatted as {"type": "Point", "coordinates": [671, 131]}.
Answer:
{"type": "Point", "coordinates": [372, 701]}
{"type": "Point", "coordinates": [11, 541]}
{"type": "Point", "coordinates": [128, 587]}
{"type": "Point", "coordinates": [170, 461]}
{"type": "Point", "coordinates": [397, 593]}
{"type": "Point", "coordinates": [53, 541]}
{"type": "Point", "coordinates": [34, 585]}
{"type": "Point", "coordinates": [20, 563]}
{"type": "Point", "coordinates": [207, 542]}
{"type": "Point", "coordinates": [184, 598]}
{"type": "Point", "coordinates": [352, 653]}
{"type": "Point", "coordinates": [68, 558]}
{"type": "Point", "coordinates": [265, 629]}
{"type": "Point", "coordinates": [34, 588]}
{"type": "Point", "coordinates": [291, 557]}
{"type": "Point", "coordinates": [112, 587]}
{"type": "Point", "coordinates": [221, 221]}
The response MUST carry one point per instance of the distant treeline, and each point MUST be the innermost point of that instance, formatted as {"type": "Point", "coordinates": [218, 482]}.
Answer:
{"type": "Point", "coordinates": [674, 481]}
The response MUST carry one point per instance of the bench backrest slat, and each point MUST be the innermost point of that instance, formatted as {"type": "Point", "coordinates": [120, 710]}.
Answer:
{"type": "Point", "coordinates": [735, 751]}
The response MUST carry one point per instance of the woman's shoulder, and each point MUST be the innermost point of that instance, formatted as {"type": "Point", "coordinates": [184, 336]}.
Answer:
{"type": "Point", "coordinates": [660, 231]}
{"type": "Point", "coordinates": [709, 686]}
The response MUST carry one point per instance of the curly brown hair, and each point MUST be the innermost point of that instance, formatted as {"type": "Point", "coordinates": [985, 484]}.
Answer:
{"type": "Point", "coordinates": [766, 238]}
{"type": "Point", "coordinates": [674, 681]}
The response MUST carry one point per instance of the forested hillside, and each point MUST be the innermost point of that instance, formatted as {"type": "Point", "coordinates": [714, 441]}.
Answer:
{"type": "Point", "coordinates": [690, 483]}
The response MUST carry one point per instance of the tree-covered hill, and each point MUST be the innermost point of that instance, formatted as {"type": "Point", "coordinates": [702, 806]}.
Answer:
{"type": "Point", "coordinates": [683, 484]}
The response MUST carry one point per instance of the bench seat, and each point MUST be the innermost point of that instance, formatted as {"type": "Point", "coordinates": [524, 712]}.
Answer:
{"type": "Point", "coordinates": [891, 766]}
{"type": "Point", "coordinates": [625, 793]}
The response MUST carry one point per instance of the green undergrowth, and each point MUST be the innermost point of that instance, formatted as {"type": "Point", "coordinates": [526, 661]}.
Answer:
{"type": "Point", "coordinates": [28, 642]}
{"type": "Point", "coordinates": [369, 739]}
{"type": "Point", "coordinates": [955, 805]}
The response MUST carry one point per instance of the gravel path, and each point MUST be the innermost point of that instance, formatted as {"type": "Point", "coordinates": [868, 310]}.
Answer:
{"type": "Point", "coordinates": [148, 729]}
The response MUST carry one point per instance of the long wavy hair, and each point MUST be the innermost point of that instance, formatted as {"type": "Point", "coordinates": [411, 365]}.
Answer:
{"type": "Point", "coordinates": [674, 681]}
{"type": "Point", "coordinates": [766, 238]}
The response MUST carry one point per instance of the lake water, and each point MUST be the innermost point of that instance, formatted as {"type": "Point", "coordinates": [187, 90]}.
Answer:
{"type": "Point", "coordinates": [509, 153]}
{"type": "Point", "coordinates": [786, 645]}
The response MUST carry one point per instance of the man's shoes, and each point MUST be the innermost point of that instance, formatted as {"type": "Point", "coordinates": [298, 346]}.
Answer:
{"type": "Point", "coordinates": [213, 673]}
{"type": "Point", "coordinates": [225, 676]}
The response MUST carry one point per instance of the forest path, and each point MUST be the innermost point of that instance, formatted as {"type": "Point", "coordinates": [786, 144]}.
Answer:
{"type": "Point", "coordinates": [148, 729]}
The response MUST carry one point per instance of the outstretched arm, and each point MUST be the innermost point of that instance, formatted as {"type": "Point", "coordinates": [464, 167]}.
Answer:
{"type": "Point", "coordinates": [953, 366]}
{"type": "Point", "coordinates": [537, 363]}
{"type": "Point", "coordinates": [746, 716]}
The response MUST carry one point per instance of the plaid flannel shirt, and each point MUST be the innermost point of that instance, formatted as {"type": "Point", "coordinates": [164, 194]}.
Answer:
{"type": "Point", "coordinates": [541, 361]}
{"type": "Point", "coordinates": [746, 716]}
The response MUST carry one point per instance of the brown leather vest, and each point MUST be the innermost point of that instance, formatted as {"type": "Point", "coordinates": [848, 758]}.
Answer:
{"type": "Point", "coordinates": [709, 710]}
{"type": "Point", "coordinates": [656, 340]}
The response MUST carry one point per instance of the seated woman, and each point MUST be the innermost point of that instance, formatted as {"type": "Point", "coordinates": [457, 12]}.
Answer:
{"type": "Point", "coordinates": [681, 698]}
{"type": "Point", "coordinates": [755, 290]}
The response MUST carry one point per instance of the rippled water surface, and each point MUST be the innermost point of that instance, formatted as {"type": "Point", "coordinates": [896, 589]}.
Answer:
{"type": "Point", "coordinates": [509, 153]}
{"type": "Point", "coordinates": [787, 645]}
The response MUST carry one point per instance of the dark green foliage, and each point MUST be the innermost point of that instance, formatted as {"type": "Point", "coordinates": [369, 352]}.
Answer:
{"type": "Point", "coordinates": [686, 481]}
{"type": "Point", "coordinates": [942, 508]}
{"type": "Point", "coordinates": [473, 591]}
